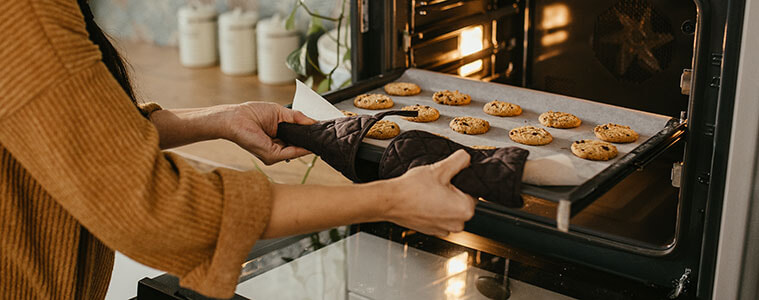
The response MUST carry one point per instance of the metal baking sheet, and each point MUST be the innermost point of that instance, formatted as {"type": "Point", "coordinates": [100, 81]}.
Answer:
{"type": "Point", "coordinates": [533, 103]}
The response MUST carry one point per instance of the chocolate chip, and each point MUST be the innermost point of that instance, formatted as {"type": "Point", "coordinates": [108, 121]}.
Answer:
{"type": "Point", "coordinates": [392, 126]}
{"type": "Point", "coordinates": [606, 127]}
{"type": "Point", "coordinates": [465, 123]}
{"type": "Point", "coordinates": [605, 148]}
{"type": "Point", "coordinates": [534, 133]}
{"type": "Point", "coordinates": [511, 133]}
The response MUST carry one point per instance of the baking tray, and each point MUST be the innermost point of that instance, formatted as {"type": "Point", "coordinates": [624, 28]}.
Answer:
{"type": "Point", "coordinates": [657, 132]}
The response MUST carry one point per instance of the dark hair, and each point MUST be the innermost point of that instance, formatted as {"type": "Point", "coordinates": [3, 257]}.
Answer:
{"type": "Point", "coordinates": [111, 58]}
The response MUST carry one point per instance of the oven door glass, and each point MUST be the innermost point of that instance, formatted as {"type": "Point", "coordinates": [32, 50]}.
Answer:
{"type": "Point", "coordinates": [363, 266]}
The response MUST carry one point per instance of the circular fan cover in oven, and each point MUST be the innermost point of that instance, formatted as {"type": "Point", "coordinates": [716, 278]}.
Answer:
{"type": "Point", "coordinates": [633, 40]}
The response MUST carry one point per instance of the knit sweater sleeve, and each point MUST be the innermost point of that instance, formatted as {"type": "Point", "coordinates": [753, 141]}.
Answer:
{"type": "Point", "coordinates": [67, 121]}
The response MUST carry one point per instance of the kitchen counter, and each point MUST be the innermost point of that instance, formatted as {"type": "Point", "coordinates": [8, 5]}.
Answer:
{"type": "Point", "coordinates": [158, 77]}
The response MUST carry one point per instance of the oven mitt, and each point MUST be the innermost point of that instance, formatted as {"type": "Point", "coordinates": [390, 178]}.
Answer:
{"type": "Point", "coordinates": [494, 175]}
{"type": "Point", "coordinates": [335, 141]}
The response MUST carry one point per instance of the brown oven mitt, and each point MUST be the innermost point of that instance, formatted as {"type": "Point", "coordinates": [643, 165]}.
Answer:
{"type": "Point", "coordinates": [494, 175]}
{"type": "Point", "coordinates": [335, 141]}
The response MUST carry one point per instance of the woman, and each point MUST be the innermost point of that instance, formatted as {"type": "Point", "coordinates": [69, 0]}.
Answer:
{"type": "Point", "coordinates": [82, 172]}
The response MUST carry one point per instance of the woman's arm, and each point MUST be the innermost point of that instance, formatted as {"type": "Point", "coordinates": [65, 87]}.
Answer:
{"type": "Point", "coordinates": [423, 199]}
{"type": "Point", "coordinates": [178, 127]}
{"type": "Point", "coordinates": [250, 125]}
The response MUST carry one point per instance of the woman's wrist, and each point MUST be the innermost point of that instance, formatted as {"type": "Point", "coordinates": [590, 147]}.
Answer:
{"type": "Point", "coordinates": [386, 193]}
{"type": "Point", "coordinates": [220, 120]}
{"type": "Point", "coordinates": [177, 127]}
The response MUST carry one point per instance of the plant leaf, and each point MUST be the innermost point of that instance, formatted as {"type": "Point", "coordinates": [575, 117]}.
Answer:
{"type": "Point", "coordinates": [315, 26]}
{"type": "Point", "coordinates": [290, 23]}
{"type": "Point", "coordinates": [324, 86]}
{"type": "Point", "coordinates": [296, 61]}
{"type": "Point", "coordinates": [347, 55]}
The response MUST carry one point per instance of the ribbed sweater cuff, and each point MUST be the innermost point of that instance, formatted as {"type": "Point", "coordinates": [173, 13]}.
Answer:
{"type": "Point", "coordinates": [246, 212]}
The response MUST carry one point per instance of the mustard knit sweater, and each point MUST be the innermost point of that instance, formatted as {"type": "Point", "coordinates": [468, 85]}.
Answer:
{"type": "Point", "coordinates": [81, 174]}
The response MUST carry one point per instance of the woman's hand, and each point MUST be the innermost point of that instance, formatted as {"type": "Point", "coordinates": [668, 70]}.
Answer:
{"type": "Point", "coordinates": [252, 125]}
{"type": "Point", "coordinates": [424, 199]}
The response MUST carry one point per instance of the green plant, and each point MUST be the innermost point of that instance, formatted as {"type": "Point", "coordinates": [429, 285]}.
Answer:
{"type": "Point", "coordinates": [303, 60]}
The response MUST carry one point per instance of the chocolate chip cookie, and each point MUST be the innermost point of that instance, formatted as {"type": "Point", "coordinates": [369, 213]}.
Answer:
{"type": "Point", "coordinates": [594, 150]}
{"type": "Point", "coordinates": [502, 109]}
{"type": "Point", "coordinates": [426, 113]}
{"type": "Point", "coordinates": [451, 98]}
{"type": "Point", "coordinates": [402, 89]}
{"type": "Point", "coordinates": [530, 135]}
{"type": "Point", "coordinates": [615, 133]}
{"type": "Point", "coordinates": [383, 130]}
{"type": "Point", "coordinates": [373, 101]}
{"type": "Point", "coordinates": [469, 125]}
{"type": "Point", "coordinates": [557, 119]}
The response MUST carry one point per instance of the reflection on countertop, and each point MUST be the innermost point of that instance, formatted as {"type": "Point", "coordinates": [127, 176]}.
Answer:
{"type": "Point", "coordinates": [363, 266]}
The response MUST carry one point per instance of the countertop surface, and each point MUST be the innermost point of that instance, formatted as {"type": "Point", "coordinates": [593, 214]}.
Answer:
{"type": "Point", "coordinates": [158, 77]}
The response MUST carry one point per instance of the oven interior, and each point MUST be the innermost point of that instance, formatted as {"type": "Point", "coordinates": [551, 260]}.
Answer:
{"type": "Point", "coordinates": [629, 53]}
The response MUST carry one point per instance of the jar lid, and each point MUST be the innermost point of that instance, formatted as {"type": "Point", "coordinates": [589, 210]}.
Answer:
{"type": "Point", "coordinates": [274, 26]}
{"type": "Point", "coordinates": [238, 17]}
{"type": "Point", "coordinates": [195, 12]}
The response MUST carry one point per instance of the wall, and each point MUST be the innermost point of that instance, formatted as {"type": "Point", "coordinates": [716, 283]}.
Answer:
{"type": "Point", "coordinates": [156, 22]}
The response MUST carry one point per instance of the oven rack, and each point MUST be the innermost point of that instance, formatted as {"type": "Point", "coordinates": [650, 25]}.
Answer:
{"type": "Point", "coordinates": [570, 200]}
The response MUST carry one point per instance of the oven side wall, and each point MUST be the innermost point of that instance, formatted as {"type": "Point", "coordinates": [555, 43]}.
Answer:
{"type": "Point", "coordinates": [737, 262]}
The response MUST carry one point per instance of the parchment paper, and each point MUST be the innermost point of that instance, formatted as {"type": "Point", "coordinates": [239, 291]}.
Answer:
{"type": "Point", "coordinates": [533, 103]}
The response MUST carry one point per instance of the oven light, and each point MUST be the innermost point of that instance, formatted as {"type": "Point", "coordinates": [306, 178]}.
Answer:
{"type": "Point", "coordinates": [470, 68]}
{"type": "Point", "coordinates": [457, 264]}
{"type": "Point", "coordinates": [555, 16]}
{"type": "Point", "coordinates": [554, 38]}
{"type": "Point", "coordinates": [471, 41]}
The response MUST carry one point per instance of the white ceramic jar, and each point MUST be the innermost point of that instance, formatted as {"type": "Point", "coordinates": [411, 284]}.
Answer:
{"type": "Point", "coordinates": [275, 43]}
{"type": "Point", "coordinates": [197, 35]}
{"type": "Point", "coordinates": [237, 42]}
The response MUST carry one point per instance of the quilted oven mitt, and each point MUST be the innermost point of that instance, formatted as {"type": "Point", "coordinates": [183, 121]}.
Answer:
{"type": "Point", "coordinates": [335, 141]}
{"type": "Point", "coordinates": [494, 175]}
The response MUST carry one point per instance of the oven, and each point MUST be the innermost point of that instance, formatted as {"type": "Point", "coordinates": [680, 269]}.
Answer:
{"type": "Point", "coordinates": [656, 222]}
